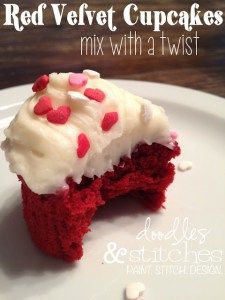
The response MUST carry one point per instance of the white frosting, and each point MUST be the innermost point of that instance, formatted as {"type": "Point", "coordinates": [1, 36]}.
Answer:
{"type": "Point", "coordinates": [44, 154]}
{"type": "Point", "coordinates": [146, 112]}
{"type": "Point", "coordinates": [77, 96]}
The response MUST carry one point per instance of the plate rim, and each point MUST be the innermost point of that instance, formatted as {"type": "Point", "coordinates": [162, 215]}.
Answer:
{"type": "Point", "coordinates": [198, 100]}
{"type": "Point", "coordinates": [129, 80]}
{"type": "Point", "coordinates": [153, 290]}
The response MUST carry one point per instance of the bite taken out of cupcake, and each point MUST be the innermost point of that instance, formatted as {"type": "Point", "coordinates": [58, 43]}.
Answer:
{"type": "Point", "coordinates": [78, 142]}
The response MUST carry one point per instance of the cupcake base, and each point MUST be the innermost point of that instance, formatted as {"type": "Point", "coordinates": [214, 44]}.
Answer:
{"type": "Point", "coordinates": [57, 223]}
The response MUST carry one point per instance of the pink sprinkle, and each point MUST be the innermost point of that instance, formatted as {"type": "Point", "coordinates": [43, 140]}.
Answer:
{"type": "Point", "coordinates": [41, 83]}
{"type": "Point", "coordinates": [59, 115]}
{"type": "Point", "coordinates": [94, 94]}
{"type": "Point", "coordinates": [109, 120]}
{"type": "Point", "coordinates": [83, 145]}
{"type": "Point", "coordinates": [43, 106]}
{"type": "Point", "coordinates": [173, 135]}
{"type": "Point", "coordinates": [77, 80]}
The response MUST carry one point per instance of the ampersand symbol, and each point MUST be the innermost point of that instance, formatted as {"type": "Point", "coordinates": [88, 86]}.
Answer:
{"type": "Point", "coordinates": [112, 254]}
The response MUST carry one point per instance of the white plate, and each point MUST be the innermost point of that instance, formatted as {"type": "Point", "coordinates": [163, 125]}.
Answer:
{"type": "Point", "coordinates": [197, 196]}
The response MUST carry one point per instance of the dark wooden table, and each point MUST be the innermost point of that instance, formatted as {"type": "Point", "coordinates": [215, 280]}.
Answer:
{"type": "Point", "coordinates": [37, 50]}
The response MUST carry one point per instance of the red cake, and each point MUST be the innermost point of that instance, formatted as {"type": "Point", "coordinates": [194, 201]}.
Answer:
{"type": "Point", "coordinates": [131, 158]}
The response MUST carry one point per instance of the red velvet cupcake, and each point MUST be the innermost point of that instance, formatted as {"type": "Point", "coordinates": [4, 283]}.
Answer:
{"type": "Point", "coordinates": [79, 142]}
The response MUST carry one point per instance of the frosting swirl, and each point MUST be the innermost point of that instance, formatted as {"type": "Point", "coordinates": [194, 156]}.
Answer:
{"type": "Point", "coordinates": [45, 153]}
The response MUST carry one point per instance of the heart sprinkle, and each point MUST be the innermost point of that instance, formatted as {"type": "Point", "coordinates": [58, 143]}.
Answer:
{"type": "Point", "coordinates": [77, 80]}
{"type": "Point", "coordinates": [59, 115]}
{"type": "Point", "coordinates": [109, 120]}
{"type": "Point", "coordinates": [83, 145]}
{"type": "Point", "coordinates": [91, 73]}
{"type": "Point", "coordinates": [135, 291]}
{"type": "Point", "coordinates": [40, 83]}
{"type": "Point", "coordinates": [173, 135]}
{"type": "Point", "coordinates": [184, 166]}
{"type": "Point", "coordinates": [43, 106]}
{"type": "Point", "coordinates": [94, 94]}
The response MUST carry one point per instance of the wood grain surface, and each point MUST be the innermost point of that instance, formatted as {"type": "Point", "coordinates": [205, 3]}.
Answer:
{"type": "Point", "coordinates": [37, 50]}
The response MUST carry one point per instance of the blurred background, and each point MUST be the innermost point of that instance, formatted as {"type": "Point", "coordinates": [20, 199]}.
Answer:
{"type": "Point", "coordinates": [37, 50]}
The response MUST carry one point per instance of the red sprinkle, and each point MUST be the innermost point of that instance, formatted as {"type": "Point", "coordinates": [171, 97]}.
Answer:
{"type": "Point", "coordinates": [83, 145]}
{"type": "Point", "coordinates": [40, 83]}
{"type": "Point", "coordinates": [94, 94]}
{"type": "Point", "coordinates": [59, 115]}
{"type": "Point", "coordinates": [109, 120]}
{"type": "Point", "coordinates": [43, 106]}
